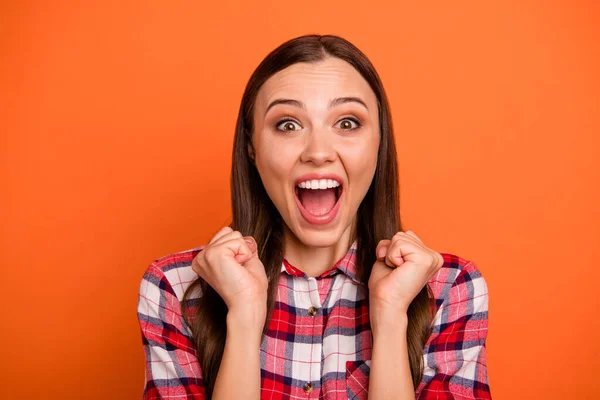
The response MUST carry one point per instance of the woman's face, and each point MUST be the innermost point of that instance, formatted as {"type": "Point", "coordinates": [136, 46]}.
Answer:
{"type": "Point", "coordinates": [317, 125]}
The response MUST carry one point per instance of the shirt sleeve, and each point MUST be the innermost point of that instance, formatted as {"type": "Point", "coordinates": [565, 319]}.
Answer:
{"type": "Point", "coordinates": [455, 355]}
{"type": "Point", "coordinates": [172, 367]}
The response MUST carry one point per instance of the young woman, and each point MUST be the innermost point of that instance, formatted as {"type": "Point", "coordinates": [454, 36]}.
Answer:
{"type": "Point", "coordinates": [315, 291]}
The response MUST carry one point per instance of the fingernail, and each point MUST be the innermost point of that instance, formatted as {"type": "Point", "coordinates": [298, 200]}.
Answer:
{"type": "Point", "coordinates": [381, 252]}
{"type": "Point", "coordinates": [251, 242]}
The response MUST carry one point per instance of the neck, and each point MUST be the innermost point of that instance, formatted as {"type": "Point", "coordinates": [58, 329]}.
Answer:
{"type": "Point", "coordinates": [313, 260]}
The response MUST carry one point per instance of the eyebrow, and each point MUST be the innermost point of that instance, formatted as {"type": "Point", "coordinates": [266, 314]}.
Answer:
{"type": "Point", "coordinates": [334, 103]}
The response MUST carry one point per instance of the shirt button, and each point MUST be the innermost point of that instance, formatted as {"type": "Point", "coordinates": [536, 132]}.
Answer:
{"type": "Point", "coordinates": [312, 311]}
{"type": "Point", "coordinates": [308, 387]}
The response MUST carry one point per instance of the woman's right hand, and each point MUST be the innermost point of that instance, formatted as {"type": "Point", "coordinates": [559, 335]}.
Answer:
{"type": "Point", "coordinates": [230, 265]}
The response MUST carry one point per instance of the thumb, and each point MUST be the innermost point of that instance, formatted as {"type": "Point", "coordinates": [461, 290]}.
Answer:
{"type": "Point", "coordinates": [378, 272]}
{"type": "Point", "coordinates": [256, 267]}
{"type": "Point", "coordinates": [247, 251]}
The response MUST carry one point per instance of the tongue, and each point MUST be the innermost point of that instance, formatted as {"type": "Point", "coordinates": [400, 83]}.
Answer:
{"type": "Point", "coordinates": [317, 202]}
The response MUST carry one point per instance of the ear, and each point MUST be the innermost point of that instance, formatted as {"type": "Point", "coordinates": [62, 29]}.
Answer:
{"type": "Point", "coordinates": [251, 152]}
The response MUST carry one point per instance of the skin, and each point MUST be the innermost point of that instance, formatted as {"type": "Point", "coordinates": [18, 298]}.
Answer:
{"type": "Point", "coordinates": [320, 139]}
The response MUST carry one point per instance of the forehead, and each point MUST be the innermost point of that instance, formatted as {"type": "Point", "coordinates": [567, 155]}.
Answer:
{"type": "Point", "coordinates": [311, 82]}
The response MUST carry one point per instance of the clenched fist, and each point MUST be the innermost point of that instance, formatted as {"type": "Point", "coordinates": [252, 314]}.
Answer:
{"type": "Point", "coordinates": [230, 265]}
{"type": "Point", "coordinates": [403, 267]}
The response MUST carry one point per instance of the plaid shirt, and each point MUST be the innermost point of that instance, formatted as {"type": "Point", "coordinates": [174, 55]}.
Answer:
{"type": "Point", "coordinates": [319, 341]}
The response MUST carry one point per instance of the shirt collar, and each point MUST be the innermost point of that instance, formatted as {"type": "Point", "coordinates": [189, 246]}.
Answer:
{"type": "Point", "coordinates": [346, 265]}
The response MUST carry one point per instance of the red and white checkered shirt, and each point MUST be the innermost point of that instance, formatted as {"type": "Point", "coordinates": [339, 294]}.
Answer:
{"type": "Point", "coordinates": [319, 342]}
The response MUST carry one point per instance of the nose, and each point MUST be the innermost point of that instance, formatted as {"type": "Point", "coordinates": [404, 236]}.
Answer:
{"type": "Point", "coordinates": [319, 148]}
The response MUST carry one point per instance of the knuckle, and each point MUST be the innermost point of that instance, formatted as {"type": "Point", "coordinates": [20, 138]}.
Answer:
{"type": "Point", "coordinates": [210, 254]}
{"type": "Point", "coordinates": [223, 231]}
{"type": "Point", "coordinates": [197, 263]}
{"type": "Point", "coordinates": [391, 258]}
{"type": "Point", "coordinates": [394, 247]}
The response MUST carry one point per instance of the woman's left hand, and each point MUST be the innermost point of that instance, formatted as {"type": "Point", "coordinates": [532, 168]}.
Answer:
{"type": "Point", "coordinates": [403, 267]}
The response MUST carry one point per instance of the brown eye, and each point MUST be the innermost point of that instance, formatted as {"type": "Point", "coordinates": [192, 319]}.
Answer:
{"type": "Point", "coordinates": [348, 124]}
{"type": "Point", "coordinates": [288, 126]}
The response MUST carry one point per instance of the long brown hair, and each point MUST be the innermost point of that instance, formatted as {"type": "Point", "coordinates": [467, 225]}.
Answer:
{"type": "Point", "coordinates": [254, 214]}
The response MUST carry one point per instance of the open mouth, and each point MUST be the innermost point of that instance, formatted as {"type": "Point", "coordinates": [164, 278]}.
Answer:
{"type": "Point", "coordinates": [318, 201]}
{"type": "Point", "coordinates": [319, 205]}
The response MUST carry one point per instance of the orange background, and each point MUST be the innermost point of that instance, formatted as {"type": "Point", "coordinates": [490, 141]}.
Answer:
{"type": "Point", "coordinates": [117, 120]}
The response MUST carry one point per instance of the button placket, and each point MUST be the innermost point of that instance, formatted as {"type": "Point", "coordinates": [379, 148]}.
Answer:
{"type": "Point", "coordinates": [317, 343]}
{"type": "Point", "coordinates": [313, 294]}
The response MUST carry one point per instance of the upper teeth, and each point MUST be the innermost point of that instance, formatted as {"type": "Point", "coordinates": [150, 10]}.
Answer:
{"type": "Point", "coordinates": [319, 184]}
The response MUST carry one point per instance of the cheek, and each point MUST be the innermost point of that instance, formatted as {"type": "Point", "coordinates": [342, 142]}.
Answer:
{"type": "Point", "coordinates": [275, 163]}
{"type": "Point", "coordinates": [362, 159]}
{"type": "Point", "coordinates": [362, 172]}
{"type": "Point", "coordinates": [360, 166]}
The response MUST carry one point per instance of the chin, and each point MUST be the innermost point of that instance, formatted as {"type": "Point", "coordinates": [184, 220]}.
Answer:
{"type": "Point", "coordinates": [318, 237]}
